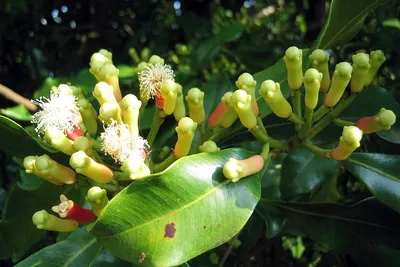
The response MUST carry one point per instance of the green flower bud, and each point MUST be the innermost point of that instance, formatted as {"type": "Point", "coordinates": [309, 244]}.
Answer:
{"type": "Point", "coordinates": [141, 66]}
{"type": "Point", "coordinates": [209, 146]}
{"type": "Point", "coordinates": [84, 144]}
{"type": "Point", "coordinates": [319, 61]}
{"type": "Point", "coordinates": [130, 107]}
{"type": "Point", "coordinates": [186, 129]}
{"type": "Point", "coordinates": [230, 115]}
{"type": "Point", "coordinates": [135, 168]}
{"type": "Point", "coordinates": [58, 140]}
{"type": "Point", "coordinates": [246, 82]}
{"type": "Point", "coordinates": [236, 169]}
{"type": "Point", "coordinates": [45, 221]}
{"type": "Point", "coordinates": [377, 58]}
{"type": "Point", "coordinates": [134, 55]}
{"type": "Point", "coordinates": [312, 82]}
{"type": "Point", "coordinates": [271, 92]}
{"type": "Point", "coordinates": [154, 59]}
{"type": "Point", "coordinates": [97, 198]}
{"type": "Point", "coordinates": [89, 116]}
{"type": "Point", "coordinates": [107, 54]}
{"type": "Point", "coordinates": [384, 120]}
{"type": "Point", "coordinates": [348, 142]}
{"type": "Point", "coordinates": [145, 54]}
{"type": "Point", "coordinates": [195, 99]}
{"type": "Point", "coordinates": [340, 80]}
{"type": "Point", "coordinates": [360, 72]}
{"type": "Point", "coordinates": [169, 93]}
{"type": "Point", "coordinates": [294, 60]}
{"type": "Point", "coordinates": [77, 92]}
{"type": "Point", "coordinates": [110, 112]}
{"type": "Point", "coordinates": [49, 170]}
{"type": "Point", "coordinates": [104, 93]}
{"type": "Point", "coordinates": [85, 165]}
{"type": "Point", "coordinates": [180, 110]}
{"type": "Point", "coordinates": [64, 89]}
{"type": "Point", "coordinates": [242, 104]}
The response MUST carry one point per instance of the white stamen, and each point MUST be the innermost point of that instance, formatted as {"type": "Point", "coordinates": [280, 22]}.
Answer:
{"type": "Point", "coordinates": [151, 79]}
{"type": "Point", "coordinates": [120, 144]}
{"type": "Point", "coordinates": [60, 110]}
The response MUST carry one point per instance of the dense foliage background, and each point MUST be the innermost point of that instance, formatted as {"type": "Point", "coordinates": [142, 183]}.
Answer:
{"type": "Point", "coordinates": [210, 43]}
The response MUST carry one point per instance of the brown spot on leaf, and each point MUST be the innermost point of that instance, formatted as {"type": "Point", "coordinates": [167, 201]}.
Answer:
{"type": "Point", "coordinates": [142, 257]}
{"type": "Point", "coordinates": [170, 230]}
{"type": "Point", "coordinates": [204, 227]}
{"type": "Point", "coordinates": [219, 226]}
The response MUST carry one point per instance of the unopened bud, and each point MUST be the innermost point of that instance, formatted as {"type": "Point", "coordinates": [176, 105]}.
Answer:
{"type": "Point", "coordinates": [236, 169]}
{"type": "Point", "coordinates": [312, 82]}
{"type": "Point", "coordinates": [319, 61]}
{"type": "Point", "coordinates": [340, 80]}
{"type": "Point", "coordinates": [271, 92]}
{"type": "Point", "coordinates": [294, 64]}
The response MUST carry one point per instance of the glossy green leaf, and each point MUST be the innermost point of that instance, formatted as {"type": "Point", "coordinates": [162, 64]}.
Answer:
{"type": "Point", "coordinates": [18, 231]}
{"type": "Point", "coordinates": [79, 250]}
{"type": "Point", "coordinates": [345, 20]}
{"type": "Point", "coordinates": [368, 103]}
{"type": "Point", "coordinates": [126, 71]}
{"type": "Point", "coordinates": [304, 172]}
{"type": "Point", "coordinates": [392, 22]}
{"type": "Point", "coordinates": [208, 49]}
{"type": "Point", "coordinates": [360, 229]}
{"type": "Point", "coordinates": [180, 213]}
{"type": "Point", "coordinates": [19, 112]}
{"type": "Point", "coordinates": [380, 173]}
{"type": "Point", "coordinates": [106, 259]}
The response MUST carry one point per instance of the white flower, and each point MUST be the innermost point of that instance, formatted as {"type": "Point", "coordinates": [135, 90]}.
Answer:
{"type": "Point", "coordinates": [151, 79]}
{"type": "Point", "coordinates": [60, 110]}
{"type": "Point", "coordinates": [120, 143]}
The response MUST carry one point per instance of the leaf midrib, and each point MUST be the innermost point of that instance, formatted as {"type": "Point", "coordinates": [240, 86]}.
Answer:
{"type": "Point", "coordinates": [384, 174]}
{"type": "Point", "coordinates": [79, 252]}
{"type": "Point", "coordinates": [166, 214]}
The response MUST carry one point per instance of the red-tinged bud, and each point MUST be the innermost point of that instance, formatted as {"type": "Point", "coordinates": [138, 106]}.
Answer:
{"type": "Point", "coordinates": [159, 101]}
{"type": "Point", "coordinates": [68, 209]}
{"type": "Point", "coordinates": [75, 133]}
{"type": "Point", "coordinates": [217, 115]}
{"type": "Point", "coordinates": [384, 120]}
{"type": "Point", "coordinates": [237, 169]}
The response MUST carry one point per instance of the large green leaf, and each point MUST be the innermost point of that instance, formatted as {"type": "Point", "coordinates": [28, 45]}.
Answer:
{"type": "Point", "coordinates": [380, 173]}
{"type": "Point", "coordinates": [80, 249]}
{"type": "Point", "coordinates": [19, 112]}
{"type": "Point", "coordinates": [106, 259]}
{"type": "Point", "coordinates": [303, 172]}
{"type": "Point", "coordinates": [208, 49]}
{"type": "Point", "coordinates": [345, 20]}
{"type": "Point", "coordinates": [368, 103]}
{"type": "Point", "coordinates": [362, 229]}
{"type": "Point", "coordinates": [18, 231]}
{"type": "Point", "coordinates": [173, 216]}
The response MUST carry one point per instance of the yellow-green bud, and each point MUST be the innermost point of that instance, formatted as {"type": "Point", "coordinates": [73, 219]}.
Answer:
{"type": "Point", "coordinates": [271, 92]}
{"type": "Point", "coordinates": [109, 112]}
{"type": "Point", "coordinates": [340, 80]}
{"type": "Point", "coordinates": [180, 109]}
{"type": "Point", "coordinates": [130, 107]}
{"type": "Point", "coordinates": [195, 99]}
{"type": "Point", "coordinates": [135, 168]}
{"type": "Point", "coordinates": [246, 82]}
{"type": "Point", "coordinates": [84, 144]}
{"type": "Point", "coordinates": [294, 64]}
{"type": "Point", "coordinates": [85, 165]}
{"type": "Point", "coordinates": [154, 59]}
{"type": "Point", "coordinates": [348, 142]}
{"type": "Point", "coordinates": [58, 140]}
{"type": "Point", "coordinates": [134, 55]}
{"type": "Point", "coordinates": [97, 198]}
{"type": "Point", "coordinates": [169, 93]}
{"type": "Point", "coordinates": [377, 58]}
{"type": "Point", "coordinates": [186, 129]}
{"type": "Point", "coordinates": [319, 61]}
{"type": "Point", "coordinates": [230, 115]}
{"type": "Point", "coordinates": [53, 170]}
{"type": "Point", "coordinates": [141, 66]}
{"type": "Point", "coordinates": [45, 221]}
{"type": "Point", "coordinates": [89, 116]}
{"type": "Point", "coordinates": [64, 89]}
{"type": "Point", "coordinates": [360, 72]}
{"type": "Point", "coordinates": [312, 82]}
{"type": "Point", "coordinates": [236, 169]}
{"type": "Point", "coordinates": [145, 54]}
{"type": "Point", "coordinates": [242, 104]}
{"type": "Point", "coordinates": [384, 120]}
{"type": "Point", "coordinates": [103, 92]}
{"type": "Point", "coordinates": [209, 146]}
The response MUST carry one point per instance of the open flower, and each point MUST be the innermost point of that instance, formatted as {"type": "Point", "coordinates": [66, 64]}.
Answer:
{"type": "Point", "coordinates": [60, 110]}
{"type": "Point", "coordinates": [151, 79]}
{"type": "Point", "coordinates": [119, 142]}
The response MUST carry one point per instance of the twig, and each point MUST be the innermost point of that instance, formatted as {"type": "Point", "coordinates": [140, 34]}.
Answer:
{"type": "Point", "coordinates": [17, 98]}
{"type": "Point", "coordinates": [228, 251]}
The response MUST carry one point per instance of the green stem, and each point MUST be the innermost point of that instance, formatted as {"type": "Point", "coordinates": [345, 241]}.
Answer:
{"type": "Point", "coordinates": [265, 151]}
{"type": "Point", "coordinates": [296, 119]}
{"type": "Point", "coordinates": [142, 108]}
{"type": "Point", "coordinates": [321, 111]}
{"type": "Point", "coordinates": [155, 126]}
{"type": "Point", "coordinates": [165, 164]}
{"type": "Point", "coordinates": [319, 126]}
{"type": "Point", "coordinates": [315, 149]}
{"type": "Point", "coordinates": [264, 138]}
{"type": "Point", "coordinates": [261, 124]}
{"type": "Point", "coordinates": [342, 123]}
{"type": "Point", "coordinates": [305, 129]}
{"type": "Point", "coordinates": [296, 103]}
